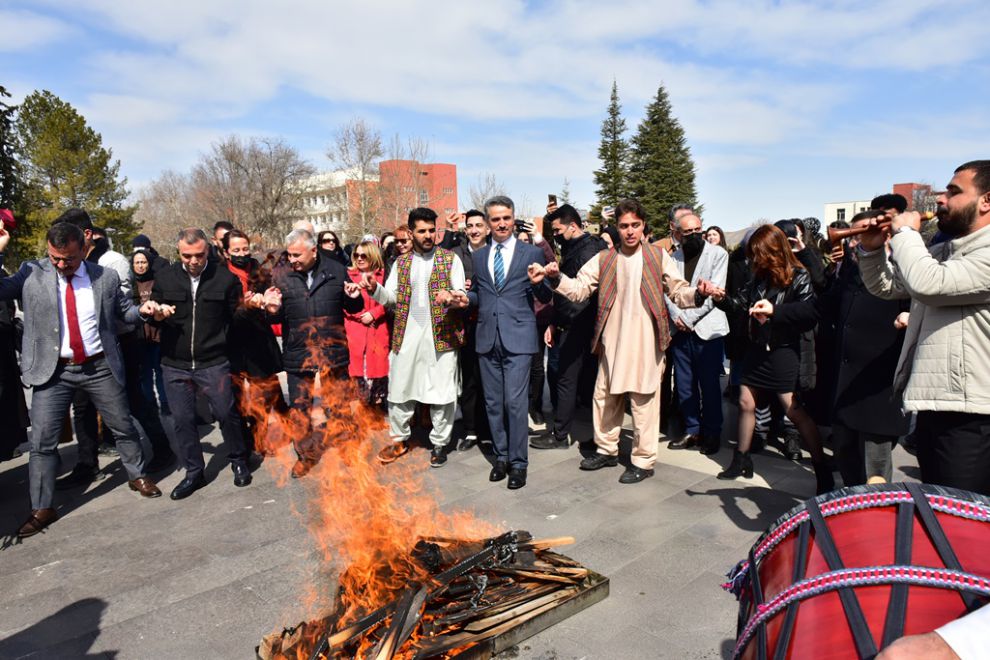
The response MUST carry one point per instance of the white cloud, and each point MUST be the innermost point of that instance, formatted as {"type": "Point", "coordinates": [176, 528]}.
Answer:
{"type": "Point", "coordinates": [25, 30]}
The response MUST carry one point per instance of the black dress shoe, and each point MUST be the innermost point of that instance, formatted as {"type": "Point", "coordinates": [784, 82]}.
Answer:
{"type": "Point", "coordinates": [467, 442]}
{"type": "Point", "coordinates": [187, 487]}
{"type": "Point", "coordinates": [517, 478]}
{"type": "Point", "coordinates": [633, 475]}
{"type": "Point", "coordinates": [710, 444]}
{"type": "Point", "coordinates": [242, 475]}
{"type": "Point", "coordinates": [498, 471]}
{"type": "Point", "coordinates": [81, 475]}
{"type": "Point", "coordinates": [689, 441]}
{"type": "Point", "coordinates": [549, 442]}
{"type": "Point", "coordinates": [438, 457]}
{"type": "Point", "coordinates": [599, 461]}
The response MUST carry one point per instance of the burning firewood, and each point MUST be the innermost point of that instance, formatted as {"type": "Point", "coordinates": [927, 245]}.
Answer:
{"type": "Point", "coordinates": [478, 598]}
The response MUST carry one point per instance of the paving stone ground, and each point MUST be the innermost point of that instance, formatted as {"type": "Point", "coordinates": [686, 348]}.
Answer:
{"type": "Point", "coordinates": [207, 577]}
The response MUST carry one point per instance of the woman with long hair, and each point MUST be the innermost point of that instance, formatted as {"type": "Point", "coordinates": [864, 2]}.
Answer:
{"type": "Point", "coordinates": [329, 244]}
{"type": "Point", "coordinates": [716, 236]}
{"type": "Point", "coordinates": [367, 330]}
{"type": "Point", "coordinates": [780, 303]}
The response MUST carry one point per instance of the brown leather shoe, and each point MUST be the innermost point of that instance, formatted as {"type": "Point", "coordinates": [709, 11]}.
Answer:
{"type": "Point", "coordinates": [145, 486]}
{"type": "Point", "coordinates": [40, 518]}
{"type": "Point", "coordinates": [393, 451]}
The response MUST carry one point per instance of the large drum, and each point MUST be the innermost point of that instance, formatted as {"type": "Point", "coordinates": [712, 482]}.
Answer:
{"type": "Point", "coordinates": [845, 574]}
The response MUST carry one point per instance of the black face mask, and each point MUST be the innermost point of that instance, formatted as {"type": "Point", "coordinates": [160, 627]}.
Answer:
{"type": "Point", "coordinates": [692, 244]}
{"type": "Point", "coordinates": [241, 261]}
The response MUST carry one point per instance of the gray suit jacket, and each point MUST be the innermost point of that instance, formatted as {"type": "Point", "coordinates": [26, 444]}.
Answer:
{"type": "Point", "coordinates": [708, 321]}
{"type": "Point", "coordinates": [36, 284]}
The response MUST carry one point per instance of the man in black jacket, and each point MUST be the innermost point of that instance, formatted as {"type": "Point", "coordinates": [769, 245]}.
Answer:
{"type": "Point", "coordinates": [197, 300]}
{"type": "Point", "coordinates": [574, 322]}
{"type": "Point", "coordinates": [313, 339]}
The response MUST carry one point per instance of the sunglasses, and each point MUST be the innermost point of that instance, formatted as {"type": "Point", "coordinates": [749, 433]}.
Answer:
{"type": "Point", "coordinates": [402, 241]}
{"type": "Point", "coordinates": [360, 255]}
{"type": "Point", "coordinates": [327, 240]}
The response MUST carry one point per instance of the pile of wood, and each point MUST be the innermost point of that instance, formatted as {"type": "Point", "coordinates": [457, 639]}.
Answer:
{"type": "Point", "coordinates": [479, 598]}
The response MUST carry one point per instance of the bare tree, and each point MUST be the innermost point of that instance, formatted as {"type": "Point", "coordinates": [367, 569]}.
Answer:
{"type": "Point", "coordinates": [486, 187]}
{"type": "Point", "coordinates": [254, 184]}
{"type": "Point", "coordinates": [164, 207]}
{"type": "Point", "coordinates": [405, 186]}
{"type": "Point", "coordinates": [357, 148]}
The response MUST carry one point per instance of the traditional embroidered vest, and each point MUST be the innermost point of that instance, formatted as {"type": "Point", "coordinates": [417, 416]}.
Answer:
{"type": "Point", "coordinates": [448, 326]}
{"type": "Point", "coordinates": [651, 291]}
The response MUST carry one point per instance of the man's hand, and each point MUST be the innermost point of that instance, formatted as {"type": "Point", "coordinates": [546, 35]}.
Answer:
{"type": "Point", "coordinates": [835, 256]}
{"type": "Point", "coordinates": [368, 282]}
{"type": "Point", "coordinates": [551, 207]}
{"type": "Point", "coordinates": [353, 289]}
{"type": "Point", "coordinates": [367, 318]}
{"type": "Point", "coordinates": [148, 308]}
{"type": "Point", "coordinates": [762, 310]}
{"type": "Point", "coordinates": [548, 335]}
{"type": "Point", "coordinates": [901, 322]}
{"type": "Point", "coordinates": [272, 300]}
{"type": "Point", "coordinates": [253, 300]}
{"type": "Point", "coordinates": [162, 312]}
{"type": "Point", "coordinates": [875, 237]}
{"type": "Point", "coordinates": [910, 219]}
{"type": "Point", "coordinates": [467, 284]}
{"type": "Point", "coordinates": [443, 298]}
{"type": "Point", "coordinates": [458, 299]}
{"type": "Point", "coordinates": [681, 325]}
{"type": "Point", "coordinates": [4, 238]}
{"type": "Point", "coordinates": [454, 220]}
{"type": "Point", "coordinates": [552, 270]}
{"type": "Point", "coordinates": [536, 273]}
{"type": "Point", "coordinates": [709, 290]}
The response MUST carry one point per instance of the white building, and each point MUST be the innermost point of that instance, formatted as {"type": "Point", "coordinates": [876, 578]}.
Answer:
{"type": "Point", "coordinates": [325, 202]}
{"type": "Point", "coordinates": [843, 211]}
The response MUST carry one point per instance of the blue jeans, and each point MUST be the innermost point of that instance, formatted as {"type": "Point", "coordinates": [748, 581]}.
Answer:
{"type": "Point", "coordinates": [49, 406]}
{"type": "Point", "coordinates": [151, 376]}
{"type": "Point", "coordinates": [697, 367]}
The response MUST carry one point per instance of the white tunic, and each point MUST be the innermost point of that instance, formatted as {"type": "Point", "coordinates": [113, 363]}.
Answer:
{"type": "Point", "coordinates": [418, 372]}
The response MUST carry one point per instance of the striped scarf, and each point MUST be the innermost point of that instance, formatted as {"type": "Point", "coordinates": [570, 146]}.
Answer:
{"type": "Point", "coordinates": [651, 291]}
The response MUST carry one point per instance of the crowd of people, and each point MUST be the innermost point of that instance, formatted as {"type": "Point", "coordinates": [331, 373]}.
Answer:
{"type": "Point", "coordinates": [881, 337]}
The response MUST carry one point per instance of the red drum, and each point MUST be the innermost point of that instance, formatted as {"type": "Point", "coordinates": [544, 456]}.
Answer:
{"type": "Point", "coordinates": [845, 574]}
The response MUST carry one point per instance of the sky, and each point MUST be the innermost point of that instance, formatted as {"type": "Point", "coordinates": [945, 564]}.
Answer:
{"type": "Point", "coordinates": [786, 105]}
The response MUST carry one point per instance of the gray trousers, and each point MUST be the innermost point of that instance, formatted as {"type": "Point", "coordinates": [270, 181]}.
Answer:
{"type": "Point", "coordinates": [441, 414]}
{"type": "Point", "coordinates": [49, 406]}
{"type": "Point", "coordinates": [505, 382]}
{"type": "Point", "coordinates": [862, 455]}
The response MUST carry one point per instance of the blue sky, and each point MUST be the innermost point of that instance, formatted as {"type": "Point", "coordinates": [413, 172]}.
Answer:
{"type": "Point", "coordinates": [786, 105]}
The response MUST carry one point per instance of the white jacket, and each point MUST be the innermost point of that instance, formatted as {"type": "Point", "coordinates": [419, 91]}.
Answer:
{"type": "Point", "coordinates": [945, 362]}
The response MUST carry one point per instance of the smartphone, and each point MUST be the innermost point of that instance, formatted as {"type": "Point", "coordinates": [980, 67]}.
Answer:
{"type": "Point", "coordinates": [552, 199]}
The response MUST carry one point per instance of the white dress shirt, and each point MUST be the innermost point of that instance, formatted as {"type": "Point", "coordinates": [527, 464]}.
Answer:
{"type": "Point", "coordinates": [89, 324]}
{"type": "Point", "coordinates": [508, 249]}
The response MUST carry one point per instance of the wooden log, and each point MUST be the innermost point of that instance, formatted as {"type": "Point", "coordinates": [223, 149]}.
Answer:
{"type": "Point", "coordinates": [535, 575]}
{"type": "Point", "coordinates": [479, 625]}
{"type": "Point", "coordinates": [545, 544]}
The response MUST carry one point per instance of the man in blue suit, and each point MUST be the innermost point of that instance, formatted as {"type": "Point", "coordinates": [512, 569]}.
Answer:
{"type": "Point", "coordinates": [506, 338]}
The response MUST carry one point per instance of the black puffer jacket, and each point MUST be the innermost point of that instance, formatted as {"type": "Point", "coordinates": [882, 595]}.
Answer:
{"type": "Point", "coordinates": [195, 336]}
{"type": "Point", "coordinates": [794, 310]}
{"type": "Point", "coordinates": [573, 255]}
{"type": "Point", "coordinates": [313, 317]}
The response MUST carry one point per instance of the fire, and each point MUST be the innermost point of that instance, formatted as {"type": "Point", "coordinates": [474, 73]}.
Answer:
{"type": "Point", "coordinates": [364, 517]}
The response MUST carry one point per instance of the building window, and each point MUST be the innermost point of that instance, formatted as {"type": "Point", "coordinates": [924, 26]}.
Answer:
{"type": "Point", "coordinates": [840, 214]}
{"type": "Point", "coordinates": [424, 197]}
{"type": "Point", "coordinates": [448, 191]}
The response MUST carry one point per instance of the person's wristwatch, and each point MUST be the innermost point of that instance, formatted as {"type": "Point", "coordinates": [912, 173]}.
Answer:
{"type": "Point", "coordinates": [905, 228]}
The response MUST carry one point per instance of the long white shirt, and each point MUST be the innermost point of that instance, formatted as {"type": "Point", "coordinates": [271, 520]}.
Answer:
{"type": "Point", "coordinates": [418, 372]}
{"type": "Point", "coordinates": [89, 324]}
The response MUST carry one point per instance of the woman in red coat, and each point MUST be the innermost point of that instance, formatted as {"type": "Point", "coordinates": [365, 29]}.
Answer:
{"type": "Point", "coordinates": [368, 331]}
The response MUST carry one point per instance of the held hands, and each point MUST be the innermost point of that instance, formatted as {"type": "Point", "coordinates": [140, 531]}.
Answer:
{"type": "Point", "coordinates": [458, 299]}
{"type": "Point", "coordinates": [537, 272]}
{"type": "Point", "coordinates": [709, 290]}
{"type": "Point", "coordinates": [159, 312]}
{"type": "Point", "coordinates": [901, 322]}
{"type": "Point", "coordinates": [762, 310]}
{"type": "Point", "coordinates": [443, 298]}
{"type": "Point", "coordinates": [272, 300]}
{"type": "Point", "coordinates": [352, 289]}
{"type": "Point", "coordinates": [368, 282]}
{"type": "Point", "coordinates": [681, 325]}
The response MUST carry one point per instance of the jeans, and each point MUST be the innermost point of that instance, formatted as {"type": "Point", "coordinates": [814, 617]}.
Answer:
{"type": "Point", "coordinates": [151, 376]}
{"type": "Point", "coordinates": [697, 367]}
{"type": "Point", "coordinates": [49, 406]}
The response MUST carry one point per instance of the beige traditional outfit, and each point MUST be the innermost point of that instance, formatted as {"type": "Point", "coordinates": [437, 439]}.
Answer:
{"type": "Point", "coordinates": [630, 337]}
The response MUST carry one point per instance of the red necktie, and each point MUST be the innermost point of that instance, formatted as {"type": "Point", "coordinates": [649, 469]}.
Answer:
{"type": "Point", "coordinates": [75, 334]}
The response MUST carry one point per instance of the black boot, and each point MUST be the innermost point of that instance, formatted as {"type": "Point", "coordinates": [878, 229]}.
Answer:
{"type": "Point", "coordinates": [824, 482]}
{"type": "Point", "coordinates": [741, 466]}
{"type": "Point", "coordinates": [792, 446]}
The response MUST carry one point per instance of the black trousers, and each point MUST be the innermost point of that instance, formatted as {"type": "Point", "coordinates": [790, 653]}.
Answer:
{"type": "Point", "coordinates": [302, 385]}
{"type": "Point", "coordinates": [954, 450]}
{"type": "Point", "coordinates": [474, 418]}
{"type": "Point", "coordinates": [537, 375]}
{"type": "Point", "coordinates": [574, 346]}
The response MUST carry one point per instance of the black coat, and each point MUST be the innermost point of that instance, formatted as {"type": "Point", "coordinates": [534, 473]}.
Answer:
{"type": "Point", "coordinates": [253, 349]}
{"type": "Point", "coordinates": [573, 255]}
{"type": "Point", "coordinates": [794, 310]}
{"type": "Point", "coordinates": [738, 277]}
{"type": "Point", "coordinates": [313, 317]}
{"type": "Point", "coordinates": [867, 347]}
{"type": "Point", "coordinates": [195, 336]}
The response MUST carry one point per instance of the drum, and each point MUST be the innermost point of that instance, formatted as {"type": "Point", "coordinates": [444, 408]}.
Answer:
{"type": "Point", "coordinates": [845, 574]}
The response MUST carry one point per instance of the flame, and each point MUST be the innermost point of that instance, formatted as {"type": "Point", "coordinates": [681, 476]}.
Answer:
{"type": "Point", "coordinates": [364, 517]}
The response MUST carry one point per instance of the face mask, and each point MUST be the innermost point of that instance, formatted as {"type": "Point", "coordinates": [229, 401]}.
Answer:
{"type": "Point", "coordinates": [241, 261]}
{"type": "Point", "coordinates": [693, 244]}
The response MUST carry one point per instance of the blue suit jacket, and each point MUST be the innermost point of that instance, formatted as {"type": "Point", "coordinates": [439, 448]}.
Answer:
{"type": "Point", "coordinates": [508, 314]}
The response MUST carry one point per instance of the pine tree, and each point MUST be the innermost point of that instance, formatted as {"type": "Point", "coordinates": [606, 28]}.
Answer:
{"type": "Point", "coordinates": [65, 165]}
{"type": "Point", "coordinates": [564, 196]}
{"type": "Point", "coordinates": [661, 170]}
{"type": "Point", "coordinates": [10, 187]}
{"type": "Point", "coordinates": [613, 177]}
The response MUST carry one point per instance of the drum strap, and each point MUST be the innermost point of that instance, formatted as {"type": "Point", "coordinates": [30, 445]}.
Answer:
{"type": "Point", "coordinates": [893, 627]}
{"type": "Point", "coordinates": [761, 632]}
{"type": "Point", "coordinates": [800, 563]}
{"type": "Point", "coordinates": [939, 539]}
{"type": "Point", "coordinates": [865, 645]}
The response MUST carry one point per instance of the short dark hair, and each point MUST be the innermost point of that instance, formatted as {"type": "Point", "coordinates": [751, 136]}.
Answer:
{"type": "Point", "coordinates": [981, 174]}
{"type": "Point", "coordinates": [890, 201]}
{"type": "Point", "coordinates": [789, 227]}
{"type": "Point", "coordinates": [77, 217]}
{"type": "Point", "coordinates": [99, 232]}
{"type": "Point", "coordinates": [222, 224]}
{"type": "Point", "coordinates": [191, 236]}
{"type": "Point", "coordinates": [472, 214]}
{"type": "Point", "coordinates": [566, 214]}
{"type": "Point", "coordinates": [62, 233]}
{"type": "Point", "coordinates": [233, 233]}
{"type": "Point", "coordinates": [866, 215]}
{"type": "Point", "coordinates": [421, 214]}
{"type": "Point", "coordinates": [673, 210]}
{"type": "Point", "coordinates": [632, 206]}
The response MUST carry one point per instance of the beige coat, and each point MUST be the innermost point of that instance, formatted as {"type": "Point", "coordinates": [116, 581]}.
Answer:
{"type": "Point", "coordinates": [945, 362]}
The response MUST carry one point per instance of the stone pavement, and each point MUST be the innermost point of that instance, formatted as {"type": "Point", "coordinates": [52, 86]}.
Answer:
{"type": "Point", "coordinates": [120, 577]}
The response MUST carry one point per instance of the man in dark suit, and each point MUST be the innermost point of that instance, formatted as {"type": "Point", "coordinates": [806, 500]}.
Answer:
{"type": "Point", "coordinates": [70, 313]}
{"type": "Point", "coordinates": [507, 336]}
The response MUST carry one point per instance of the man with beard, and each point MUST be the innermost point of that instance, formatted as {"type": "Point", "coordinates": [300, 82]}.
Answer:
{"type": "Point", "coordinates": [942, 373]}
{"type": "Point", "coordinates": [425, 337]}
{"type": "Point", "coordinates": [696, 348]}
